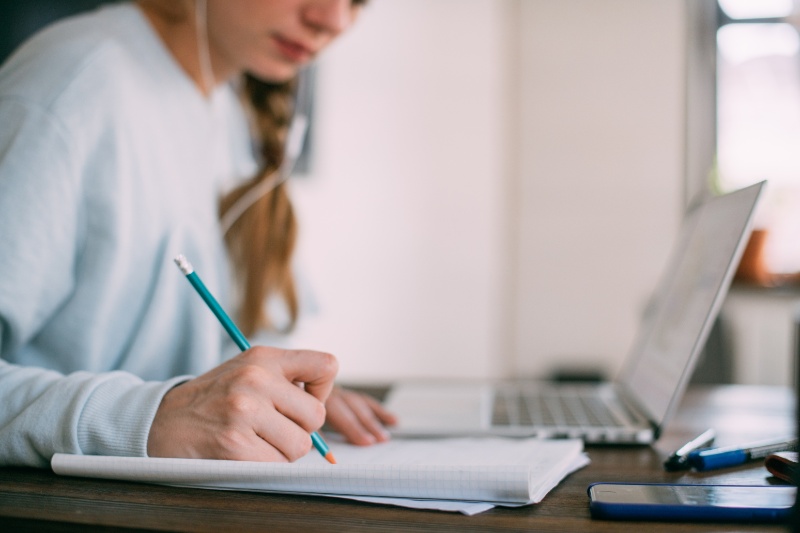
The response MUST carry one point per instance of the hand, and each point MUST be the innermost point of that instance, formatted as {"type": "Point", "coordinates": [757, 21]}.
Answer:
{"type": "Point", "coordinates": [249, 408]}
{"type": "Point", "coordinates": [358, 417]}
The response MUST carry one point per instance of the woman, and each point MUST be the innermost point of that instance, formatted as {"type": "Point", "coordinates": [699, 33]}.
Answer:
{"type": "Point", "coordinates": [126, 134]}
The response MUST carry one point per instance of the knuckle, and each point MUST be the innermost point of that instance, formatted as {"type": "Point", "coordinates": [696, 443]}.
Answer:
{"type": "Point", "coordinates": [329, 363]}
{"type": "Point", "coordinates": [298, 448]}
{"type": "Point", "coordinates": [250, 376]}
{"type": "Point", "coordinates": [317, 416]}
{"type": "Point", "coordinates": [313, 417]}
{"type": "Point", "coordinates": [257, 354]}
{"type": "Point", "coordinates": [231, 443]}
{"type": "Point", "coordinates": [240, 404]}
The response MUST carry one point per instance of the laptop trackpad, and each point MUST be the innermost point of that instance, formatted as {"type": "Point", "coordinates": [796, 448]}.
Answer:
{"type": "Point", "coordinates": [440, 407]}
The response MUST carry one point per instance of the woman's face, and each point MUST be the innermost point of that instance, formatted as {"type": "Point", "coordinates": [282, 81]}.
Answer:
{"type": "Point", "coordinates": [272, 39]}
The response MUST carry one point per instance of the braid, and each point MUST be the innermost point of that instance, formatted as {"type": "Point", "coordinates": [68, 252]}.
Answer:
{"type": "Point", "coordinates": [262, 240]}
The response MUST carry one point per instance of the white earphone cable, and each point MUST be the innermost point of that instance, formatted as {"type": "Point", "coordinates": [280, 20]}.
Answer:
{"type": "Point", "coordinates": [294, 145]}
{"type": "Point", "coordinates": [203, 53]}
{"type": "Point", "coordinates": [295, 139]}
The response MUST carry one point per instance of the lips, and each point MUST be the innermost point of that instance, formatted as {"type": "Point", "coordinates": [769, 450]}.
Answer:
{"type": "Point", "coordinates": [293, 50]}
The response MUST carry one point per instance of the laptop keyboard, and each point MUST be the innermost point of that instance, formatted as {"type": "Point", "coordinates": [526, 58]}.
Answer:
{"type": "Point", "coordinates": [570, 407]}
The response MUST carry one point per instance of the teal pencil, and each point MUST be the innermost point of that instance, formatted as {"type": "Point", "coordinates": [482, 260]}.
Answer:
{"type": "Point", "coordinates": [237, 336]}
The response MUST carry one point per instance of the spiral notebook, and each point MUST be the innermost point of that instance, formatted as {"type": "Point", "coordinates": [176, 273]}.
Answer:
{"type": "Point", "coordinates": [464, 475]}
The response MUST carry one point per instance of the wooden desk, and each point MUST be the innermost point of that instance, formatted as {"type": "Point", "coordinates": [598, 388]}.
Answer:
{"type": "Point", "coordinates": [38, 500]}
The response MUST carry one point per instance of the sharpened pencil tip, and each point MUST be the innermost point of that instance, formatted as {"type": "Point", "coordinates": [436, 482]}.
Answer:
{"type": "Point", "coordinates": [184, 264]}
{"type": "Point", "coordinates": [330, 458]}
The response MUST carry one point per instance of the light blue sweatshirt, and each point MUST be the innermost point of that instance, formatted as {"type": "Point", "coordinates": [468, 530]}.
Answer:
{"type": "Point", "coordinates": [111, 164]}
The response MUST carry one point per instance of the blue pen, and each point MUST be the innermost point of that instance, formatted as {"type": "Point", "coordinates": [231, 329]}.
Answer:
{"type": "Point", "coordinates": [237, 336]}
{"type": "Point", "coordinates": [723, 457]}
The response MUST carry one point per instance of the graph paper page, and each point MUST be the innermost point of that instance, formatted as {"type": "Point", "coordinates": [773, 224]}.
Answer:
{"type": "Point", "coordinates": [491, 470]}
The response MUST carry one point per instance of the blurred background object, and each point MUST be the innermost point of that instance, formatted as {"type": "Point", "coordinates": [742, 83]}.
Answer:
{"type": "Point", "coordinates": [496, 195]}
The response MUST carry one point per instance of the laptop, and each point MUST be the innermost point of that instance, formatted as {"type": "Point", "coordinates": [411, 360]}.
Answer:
{"type": "Point", "coordinates": [633, 408]}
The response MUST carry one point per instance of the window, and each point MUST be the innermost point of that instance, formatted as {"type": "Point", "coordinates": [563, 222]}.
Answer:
{"type": "Point", "coordinates": [758, 116]}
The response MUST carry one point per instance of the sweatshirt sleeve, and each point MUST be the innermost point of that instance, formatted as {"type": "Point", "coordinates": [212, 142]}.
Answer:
{"type": "Point", "coordinates": [83, 413]}
{"type": "Point", "coordinates": [44, 411]}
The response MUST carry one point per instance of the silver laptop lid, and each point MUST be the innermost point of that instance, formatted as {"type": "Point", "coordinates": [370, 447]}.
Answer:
{"type": "Point", "coordinates": [687, 301]}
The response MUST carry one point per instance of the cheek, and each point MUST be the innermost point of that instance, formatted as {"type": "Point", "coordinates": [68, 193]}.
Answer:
{"type": "Point", "coordinates": [232, 34]}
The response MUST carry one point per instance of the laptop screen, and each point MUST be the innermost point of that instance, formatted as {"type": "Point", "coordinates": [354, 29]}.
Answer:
{"type": "Point", "coordinates": [687, 301]}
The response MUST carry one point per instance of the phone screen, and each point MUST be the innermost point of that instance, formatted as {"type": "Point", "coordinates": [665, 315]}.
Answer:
{"type": "Point", "coordinates": [675, 501]}
{"type": "Point", "coordinates": [720, 495]}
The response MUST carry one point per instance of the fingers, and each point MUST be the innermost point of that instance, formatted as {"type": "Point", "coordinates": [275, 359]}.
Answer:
{"type": "Point", "coordinates": [275, 410]}
{"type": "Point", "coordinates": [297, 405]}
{"type": "Point", "coordinates": [387, 418]}
{"type": "Point", "coordinates": [344, 420]}
{"type": "Point", "coordinates": [245, 446]}
{"type": "Point", "coordinates": [316, 370]}
{"type": "Point", "coordinates": [248, 408]}
{"type": "Point", "coordinates": [287, 438]}
{"type": "Point", "coordinates": [358, 417]}
{"type": "Point", "coordinates": [364, 409]}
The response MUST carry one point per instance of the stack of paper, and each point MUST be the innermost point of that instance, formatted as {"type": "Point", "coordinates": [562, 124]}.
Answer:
{"type": "Point", "coordinates": [465, 475]}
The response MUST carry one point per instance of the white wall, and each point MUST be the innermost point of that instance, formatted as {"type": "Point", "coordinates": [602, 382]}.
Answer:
{"type": "Point", "coordinates": [403, 216]}
{"type": "Point", "coordinates": [601, 187]}
{"type": "Point", "coordinates": [495, 184]}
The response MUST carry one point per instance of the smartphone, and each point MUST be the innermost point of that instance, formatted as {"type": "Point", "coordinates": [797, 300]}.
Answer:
{"type": "Point", "coordinates": [680, 502]}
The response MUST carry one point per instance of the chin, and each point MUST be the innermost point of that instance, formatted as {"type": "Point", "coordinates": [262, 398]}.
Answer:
{"type": "Point", "coordinates": [275, 74]}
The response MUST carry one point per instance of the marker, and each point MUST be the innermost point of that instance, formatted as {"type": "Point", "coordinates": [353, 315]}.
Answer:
{"type": "Point", "coordinates": [679, 460]}
{"type": "Point", "coordinates": [236, 334]}
{"type": "Point", "coordinates": [736, 455]}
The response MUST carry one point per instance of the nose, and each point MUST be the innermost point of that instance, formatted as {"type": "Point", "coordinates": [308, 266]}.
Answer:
{"type": "Point", "coordinates": [329, 16]}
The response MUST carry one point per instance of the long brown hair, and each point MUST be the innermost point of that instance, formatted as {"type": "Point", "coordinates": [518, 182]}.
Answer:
{"type": "Point", "coordinates": [261, 241]}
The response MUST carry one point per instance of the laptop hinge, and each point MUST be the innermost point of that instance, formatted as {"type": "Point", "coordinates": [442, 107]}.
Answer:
{"type": "Point", "coordinates": [635, 409]}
